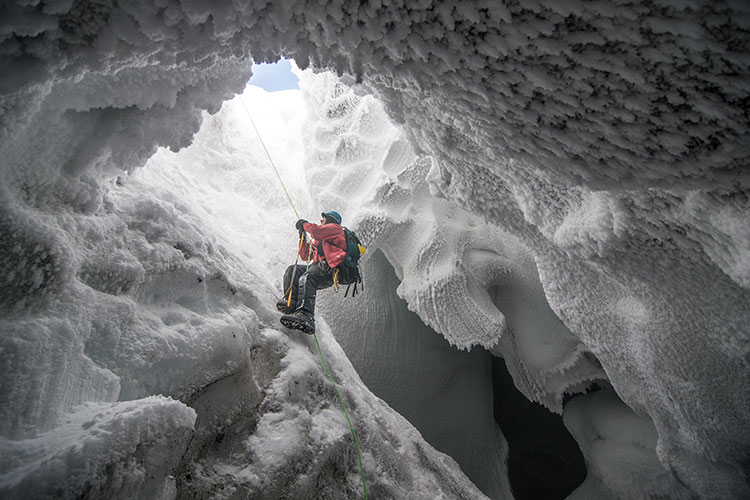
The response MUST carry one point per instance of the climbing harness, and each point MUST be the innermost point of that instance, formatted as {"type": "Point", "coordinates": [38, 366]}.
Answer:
{"type": "Point", "coordinates": [289, 301]}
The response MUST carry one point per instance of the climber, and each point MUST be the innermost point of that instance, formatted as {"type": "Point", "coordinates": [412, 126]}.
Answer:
{"type": "Point", "coordinates": [326, 250]}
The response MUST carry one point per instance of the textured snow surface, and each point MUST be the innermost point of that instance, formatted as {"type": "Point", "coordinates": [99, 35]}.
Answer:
{"type": "Point", "coordinates": [171, 294]}
{"type": "Point", "coordinates": [568, 188]}
{"type": "Point", "coordinates": [102, 450]}
{"type": "Point", "coordinates": [451, 404]}
{"type": "Point", "coordinates": [619, 449]}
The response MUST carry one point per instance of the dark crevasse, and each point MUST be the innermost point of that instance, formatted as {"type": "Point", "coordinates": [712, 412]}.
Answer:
{"type": "Point", "coordinates": [544, 460]}
{"type": "Point", "coordinates": [444, 392]}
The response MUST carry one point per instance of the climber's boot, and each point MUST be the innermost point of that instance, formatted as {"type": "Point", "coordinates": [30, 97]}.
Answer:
{"type": "Point", "coordinates": [299, 320]}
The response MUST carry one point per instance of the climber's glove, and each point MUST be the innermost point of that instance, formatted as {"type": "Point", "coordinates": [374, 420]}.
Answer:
{"type": "Point", "coordinates": [300, 227]}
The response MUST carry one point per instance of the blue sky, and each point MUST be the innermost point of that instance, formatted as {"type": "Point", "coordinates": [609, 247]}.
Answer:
{"type": "Point", "coordinates": [276, 76]}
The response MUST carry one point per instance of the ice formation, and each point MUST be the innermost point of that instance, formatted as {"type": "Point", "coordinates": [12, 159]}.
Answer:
{"type": "Point", "coordinates": [566, 186]}
{"type": "Point", "coordinates": [173, 298]}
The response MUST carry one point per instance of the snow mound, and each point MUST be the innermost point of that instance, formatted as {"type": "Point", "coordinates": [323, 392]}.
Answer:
{"type": "Point", "coordinates": [101, 450]}
{"type": "Point", "coordinates": [301, 445]}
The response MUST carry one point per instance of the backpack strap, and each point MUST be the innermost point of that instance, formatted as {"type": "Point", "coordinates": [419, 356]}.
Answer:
{"type": "Point", "coordinates": [354, 290]}
{"type": "Point", "coordinates": [346, 245]}
{"type": "Point", "coordinates": [358, 280]}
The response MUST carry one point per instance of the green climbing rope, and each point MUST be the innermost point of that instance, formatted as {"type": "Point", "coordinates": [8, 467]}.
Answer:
{"type": "Point", "coordinates": [320, 351]}
{"type": "Point", "coordinates": [270, 160]}
{"type": "Point", "coordinates": [351, 427]}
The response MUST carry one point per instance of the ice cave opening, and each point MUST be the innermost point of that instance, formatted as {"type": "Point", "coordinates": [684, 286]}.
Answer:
{"type": "Point", "coordinates": [566, 188]}
{"type": "Point", "coordinates": [544, 460]}
{"type": "Point", "coordinates": [453, 412]}
{"type": "Point", "coordinates": [464, 400]}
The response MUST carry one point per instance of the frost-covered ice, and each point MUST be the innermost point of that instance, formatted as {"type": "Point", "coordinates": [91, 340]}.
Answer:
{"type": "Point", "coordinates": [102, 450]}
{"type": "Point", "coordinates": [566, 187]}
{"type": "Point", "coordinates": [173, 296]}
{"type": "Point", "coordinates": [619, 447]}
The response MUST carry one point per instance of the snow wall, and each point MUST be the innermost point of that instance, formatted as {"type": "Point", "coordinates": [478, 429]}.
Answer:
{"type": "Point", "coordinates": [569, 191]}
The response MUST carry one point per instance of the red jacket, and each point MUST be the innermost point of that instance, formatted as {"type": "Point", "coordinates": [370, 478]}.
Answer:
{"type": "Point", "coordinates": [333, 241]}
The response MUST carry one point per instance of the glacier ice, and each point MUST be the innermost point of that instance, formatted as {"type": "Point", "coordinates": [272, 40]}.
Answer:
{"type": "Point", "coordinates": [102, 450]}
{"type": "Point", "coordinates": [620, 450]}
{"type": "Point", "coordinates": [445, 393]}
{"type": "Point", "coordinates": [599, 151]}
{"type": "Point", "coordinates": [172, 296]}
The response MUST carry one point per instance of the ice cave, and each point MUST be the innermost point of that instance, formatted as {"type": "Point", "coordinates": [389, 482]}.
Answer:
{"type": "Point", "coordinates": [554, 197]}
